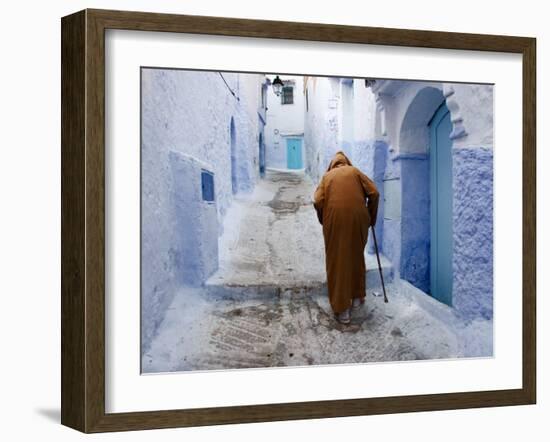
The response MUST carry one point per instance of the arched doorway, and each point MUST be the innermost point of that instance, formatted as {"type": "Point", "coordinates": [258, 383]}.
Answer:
{"type": "Point", "coordinates": [233, 141]}
{"type": "Point", "coordinates": [441, 187]}
{"type": "Point", "coordinates": [416, 196]}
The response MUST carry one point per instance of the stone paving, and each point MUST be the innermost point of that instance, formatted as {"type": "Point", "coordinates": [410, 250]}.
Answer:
{"type": "Point", "coordinates": [267, 305]}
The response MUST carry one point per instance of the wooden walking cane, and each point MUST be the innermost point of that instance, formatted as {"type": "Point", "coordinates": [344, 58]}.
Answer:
{"type": "Point", "coordinates": [379, 265]}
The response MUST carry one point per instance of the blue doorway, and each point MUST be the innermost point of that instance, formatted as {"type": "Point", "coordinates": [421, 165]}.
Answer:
{"type": "Point", "coordinates": [441, 185]}
{"type": "Point", "coordinates": [294, 153]}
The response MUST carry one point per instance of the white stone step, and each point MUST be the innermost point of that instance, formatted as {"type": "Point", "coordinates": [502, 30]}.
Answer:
{"type": "Point", "coordinates": [248, 286]}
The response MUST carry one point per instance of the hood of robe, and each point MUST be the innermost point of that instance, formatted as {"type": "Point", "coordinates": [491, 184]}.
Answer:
{"type": "Point", "coordinates": [340, 159]}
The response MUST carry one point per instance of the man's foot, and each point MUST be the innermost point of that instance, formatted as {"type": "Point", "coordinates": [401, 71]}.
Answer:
{"type": "Point", "coordinates": [344, 317]}
{"type": "Point", "coordinates": [357, 302]}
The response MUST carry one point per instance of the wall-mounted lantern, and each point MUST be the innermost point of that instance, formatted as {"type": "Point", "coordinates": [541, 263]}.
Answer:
{"type": "Point", "coordinates": [277, 86]}
{"type": "Point", "coordinates": [370, 82]}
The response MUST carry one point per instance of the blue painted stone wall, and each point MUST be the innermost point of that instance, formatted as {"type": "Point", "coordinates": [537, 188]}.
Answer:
{"type": "Point", "coordinates": [186, 119]}
{"type": "Point", "coordinates": [473, 231]}
{"type": "Point", "coordinates": [415, 220]}
{"type": "Point", "coordinates": [196, 248]}
{"type": "Point", "coordinates": [370, 157]}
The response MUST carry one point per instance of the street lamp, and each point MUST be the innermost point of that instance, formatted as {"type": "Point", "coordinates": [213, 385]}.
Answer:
{"type": "Point", "coordinates": [277, 86]}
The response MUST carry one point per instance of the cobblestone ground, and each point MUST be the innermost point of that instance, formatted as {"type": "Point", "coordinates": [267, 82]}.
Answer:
{"type": "Point", "coordinates": [267, 305]}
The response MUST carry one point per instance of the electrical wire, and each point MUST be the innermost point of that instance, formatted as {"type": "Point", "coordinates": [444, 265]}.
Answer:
{"type": "Point", "coordinates": [228, 87]}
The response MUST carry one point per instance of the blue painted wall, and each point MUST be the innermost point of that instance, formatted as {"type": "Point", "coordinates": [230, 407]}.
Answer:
{"type": "Point", "coordinates": [370, 157]}
{"type": "Point", "coordinates": [196, 247]}
{"type": "Point", "coordinates": [415, 220]}
{"type": "Point", "coordinates": [473, 231]}
{"type": "Point", "coordinates": [186, 119]}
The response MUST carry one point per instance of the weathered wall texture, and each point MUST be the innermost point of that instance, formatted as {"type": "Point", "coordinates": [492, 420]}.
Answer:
{"type": "Point", "coordinates": [415, 220]}
{"type": "Point", "coordinates": [186, 119]}
{"type": "Point", "coordinates": [473, 230]}
{"type": "Point", "coordinates": [285, 119]}
{"type": "Point", "coordinates": [471, 109]}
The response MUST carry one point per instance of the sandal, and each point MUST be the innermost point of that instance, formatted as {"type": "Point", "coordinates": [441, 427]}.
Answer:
{"type": "Point", "coordinates": [344, 317]}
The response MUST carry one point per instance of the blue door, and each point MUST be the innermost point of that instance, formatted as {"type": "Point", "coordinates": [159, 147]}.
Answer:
{"type": "Point", "coordinates": [294, 153]}
{"type": "Point", "coordinates": [441, 177]}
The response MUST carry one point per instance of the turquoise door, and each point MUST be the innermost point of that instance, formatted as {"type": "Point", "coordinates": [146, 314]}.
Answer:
{"type": "Point", "coordinates": [441, 176]}
{"type": "Point", "coordinates": [294, 153]}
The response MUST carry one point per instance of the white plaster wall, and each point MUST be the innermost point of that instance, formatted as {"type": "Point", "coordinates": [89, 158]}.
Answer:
{"type": "Point", "coordinates": [287, 119]}
{"type": "Point", "coordinates": [469, 106]}
{"type": "Point", "coordinates": [251, 96]}
{"type": "Point", "coordinates": [365, 111]}
{"type": "Point", "coordinates": [364, 127]}
{"type": "Point", "coordinates": [346, 116]}
{"type": "Point", "coordinates": [321, 131]}
{"type": "Point", "coordinates": [396, 104]}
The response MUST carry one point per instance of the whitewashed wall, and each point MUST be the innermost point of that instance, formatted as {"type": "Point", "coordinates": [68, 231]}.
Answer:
{"type": "Point", "coordinates": [287, 119]}
{"type": "Point", "coordinates": [321, 127]}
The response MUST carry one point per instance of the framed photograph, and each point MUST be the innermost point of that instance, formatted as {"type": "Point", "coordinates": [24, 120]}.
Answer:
{"type": "Point", "coordinates": [270, 220]}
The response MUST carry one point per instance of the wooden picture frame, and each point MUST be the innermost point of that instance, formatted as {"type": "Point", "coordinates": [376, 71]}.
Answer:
{"type": "Point", "coordinates": [83, 220]}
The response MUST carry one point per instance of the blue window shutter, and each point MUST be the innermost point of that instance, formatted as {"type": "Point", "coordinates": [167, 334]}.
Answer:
{"type": "Point", "coordinates": [207, 183]}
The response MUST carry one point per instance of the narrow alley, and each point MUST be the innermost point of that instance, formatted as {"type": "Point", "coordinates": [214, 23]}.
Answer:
{"type": "Point", "coordinates": [267, 306]}
{"type": "Point", "coordinates": [233, 270]}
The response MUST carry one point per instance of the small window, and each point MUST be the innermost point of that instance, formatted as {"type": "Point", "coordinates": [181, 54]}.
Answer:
{"type": "Point", "coordinates": [287, 97]}
{"type": "Point", "coordinates": [207, 183]}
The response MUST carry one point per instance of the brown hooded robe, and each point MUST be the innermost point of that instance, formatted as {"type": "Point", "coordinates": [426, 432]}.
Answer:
{"type": "Point", "coordinates": [340, 202]}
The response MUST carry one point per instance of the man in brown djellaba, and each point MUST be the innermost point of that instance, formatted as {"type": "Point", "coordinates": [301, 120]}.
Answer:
{"type": "Point", "coordinates": [346, 202]}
